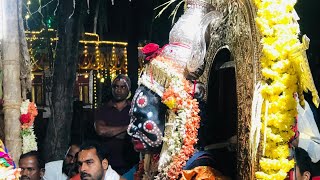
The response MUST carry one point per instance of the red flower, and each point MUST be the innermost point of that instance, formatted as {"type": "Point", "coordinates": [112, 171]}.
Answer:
{"type": "Point", "coordinates": [25, 118]}
{"type": "Point", "coordinates": [150, 48]}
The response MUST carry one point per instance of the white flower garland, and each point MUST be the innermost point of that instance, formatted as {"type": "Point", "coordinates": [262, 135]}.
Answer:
{"type": "Point", "coordinates": [24, 106]}
{"type": "Point", "coordinates": [28, 113]}
{"type": "Point", "coordinates": [174, 138]}
{"type": "Point", "coordinates": [29, 141]}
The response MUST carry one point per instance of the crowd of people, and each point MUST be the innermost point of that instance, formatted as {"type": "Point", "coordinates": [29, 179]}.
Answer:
{"type": "Point", "coordinates": [110, 156]}
{"type": "Point", "coordinates": [89, 161]}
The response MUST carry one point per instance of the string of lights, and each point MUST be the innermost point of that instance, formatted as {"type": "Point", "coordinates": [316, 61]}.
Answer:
{"type": "Point", "coordinates": [95, 91]}
{"type": "Point", "coordinates": [105, 59]}
{"type": "Point", "coordinates": [99, 58]}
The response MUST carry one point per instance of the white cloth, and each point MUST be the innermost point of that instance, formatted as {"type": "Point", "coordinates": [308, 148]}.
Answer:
{"type": "Point", "coordinates": [111, 174]}
{"type": "Point", "coordinates": [309, 138]}
{"type": "Point", "coordinates": [53, 171]}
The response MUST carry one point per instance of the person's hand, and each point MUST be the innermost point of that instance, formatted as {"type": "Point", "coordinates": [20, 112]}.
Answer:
{"type": "Point", "coordinates": [295, 141]}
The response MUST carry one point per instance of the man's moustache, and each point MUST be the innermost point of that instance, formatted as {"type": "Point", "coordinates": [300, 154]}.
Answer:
{"type": "Point", "coordinates": [83, 175]}
{"type": "Point", "coordinates": [24, 177]}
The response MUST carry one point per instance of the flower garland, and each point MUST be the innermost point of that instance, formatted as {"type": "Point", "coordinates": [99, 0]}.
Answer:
{"type": "Point", "coordinates": [282, 57]}
{"type": "Point", "coordinates": [165, 77]}
{"type": "Point", "coordinates": [28, 113]}
{"type": "Point", "coordinates": [184, 135]}
{"type": "Point", "coordinates": [140, 171]}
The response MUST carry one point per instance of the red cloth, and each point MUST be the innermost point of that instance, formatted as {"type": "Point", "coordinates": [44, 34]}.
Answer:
{"type": "Point", "coordinates": [316, 178]}
{"type": "Point", "coordinates": [76, 177]}
{"type": "Point", "coordinates": [290, 175]}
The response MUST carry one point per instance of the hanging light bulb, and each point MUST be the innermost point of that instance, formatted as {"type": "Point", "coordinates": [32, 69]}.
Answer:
{"type": "Point", "coordinates": [102, 80]}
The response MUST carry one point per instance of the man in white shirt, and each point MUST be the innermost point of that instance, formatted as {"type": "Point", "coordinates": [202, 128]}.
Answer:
{"type": "Point", "coordinates": [309, 136]}
{"type": "Point", "coordinates": [93, 164]}
{"type": "Point", "coordinates": [59, 170]}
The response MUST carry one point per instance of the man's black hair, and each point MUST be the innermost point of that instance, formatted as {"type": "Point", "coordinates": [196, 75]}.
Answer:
{"type": "Point", "coordinates": [36, 155]}
{"type": "Point", "coordinates": [315, 169]}
{"type": "Point", "coordinates": [303, 160]}
{"type": "Point", "coordinates": [102, 153]}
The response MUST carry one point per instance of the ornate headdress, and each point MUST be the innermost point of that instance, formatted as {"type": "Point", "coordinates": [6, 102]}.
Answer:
{"type": "Point", "coordinates": [166, 74]}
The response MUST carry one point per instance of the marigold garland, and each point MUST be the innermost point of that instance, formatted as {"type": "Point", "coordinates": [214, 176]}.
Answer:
{"type": "Point", "coordinates": [282, 56]}
{"type": "Point", "coordinates": [181, 102]}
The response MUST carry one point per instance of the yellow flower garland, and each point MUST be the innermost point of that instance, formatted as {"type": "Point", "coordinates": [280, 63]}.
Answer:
{"type": "Point", "coordinates": [277, 24]}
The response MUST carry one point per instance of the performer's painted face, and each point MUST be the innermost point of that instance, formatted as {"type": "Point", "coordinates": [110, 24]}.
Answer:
{"type": "Point", "coordinates": [147, 120]}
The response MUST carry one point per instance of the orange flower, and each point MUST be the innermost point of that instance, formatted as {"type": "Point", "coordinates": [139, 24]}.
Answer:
{"type": "Point", "coordinates": [25, 126]}
{"type": "Point", "coordinates": [186, 104]}
{"type": "Point", "coordinates": [189, 141]}
{"type": "Point", "coordinates": [32, 109]}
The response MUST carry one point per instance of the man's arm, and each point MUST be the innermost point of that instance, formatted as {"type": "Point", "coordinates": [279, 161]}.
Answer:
{"type": "Point", "coordinates": [109, 131]}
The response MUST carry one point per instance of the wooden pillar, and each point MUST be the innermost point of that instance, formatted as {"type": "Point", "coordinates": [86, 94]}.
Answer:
{"type": "Point", "coordinates": [11, 76]}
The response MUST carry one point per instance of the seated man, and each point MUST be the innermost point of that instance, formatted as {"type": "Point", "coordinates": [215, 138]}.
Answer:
{"type": "Point", "coordinates": [32, 166]}
{"type": "Point", "coordinates": [303, 165]}
{"type": "Point", "coordinates": [59, 170]}
{"type": "Point", "coordinates": [305, 169]}
{"type": "Point", "coordinates": [93, 164]}
{"type": "Point", "coordinates": [308, 136]}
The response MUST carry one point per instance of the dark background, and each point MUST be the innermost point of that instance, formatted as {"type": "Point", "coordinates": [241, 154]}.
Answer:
{"type": "Point", "coordinates": [309, 13]}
